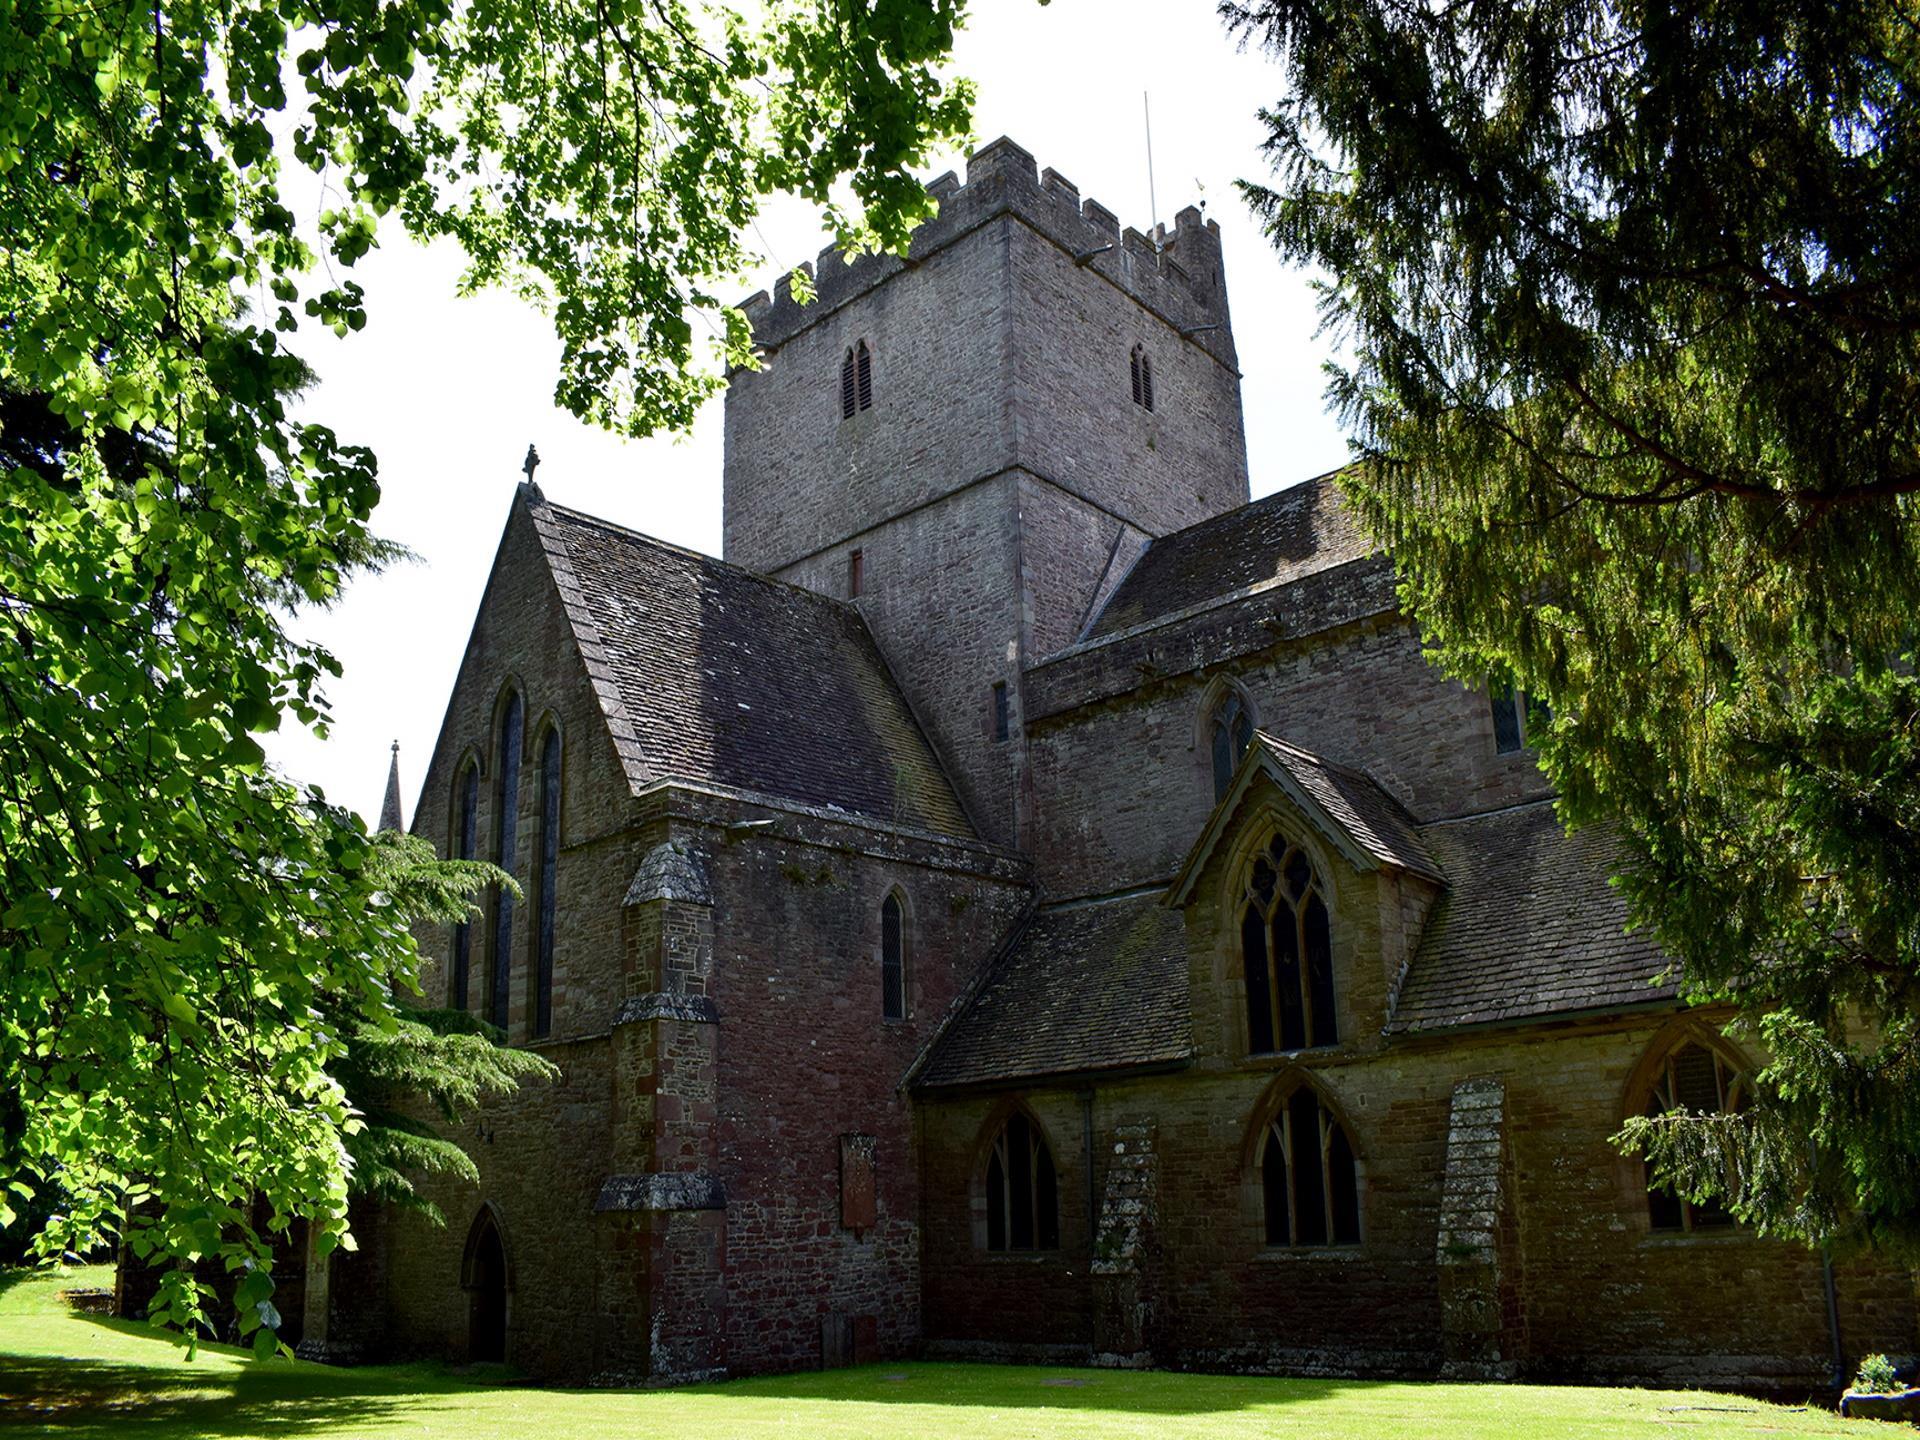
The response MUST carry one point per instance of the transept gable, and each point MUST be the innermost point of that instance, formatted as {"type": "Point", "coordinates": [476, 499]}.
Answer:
{"type": "Point", "coordinates": [1343, 808]}
{"type": "Point", "coordinates": [707, 673]}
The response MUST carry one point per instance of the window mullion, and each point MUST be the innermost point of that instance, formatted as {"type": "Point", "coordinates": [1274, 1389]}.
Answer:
{"type": "Point", "coordinates": [1286, 1154]}
{"type": "Point", "coordinates": [1273, 987]}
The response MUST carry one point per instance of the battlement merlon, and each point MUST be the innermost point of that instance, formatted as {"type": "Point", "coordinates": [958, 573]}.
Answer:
{"type": "Point", "coordinates": [1177, 275]}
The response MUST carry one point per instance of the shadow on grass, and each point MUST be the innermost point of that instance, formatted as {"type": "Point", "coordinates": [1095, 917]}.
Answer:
{"type": "Point", "coordinates": [98, 1400]}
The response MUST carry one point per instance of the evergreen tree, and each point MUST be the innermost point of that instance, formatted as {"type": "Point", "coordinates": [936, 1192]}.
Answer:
{"type": "Point", "coordinates": [1633, 300]}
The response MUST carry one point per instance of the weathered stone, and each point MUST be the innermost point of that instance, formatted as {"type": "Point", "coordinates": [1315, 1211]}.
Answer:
{"type": "Point", "coordinates": [670, 871]}
{"type": "Point", "coordinates": [661, 1192]}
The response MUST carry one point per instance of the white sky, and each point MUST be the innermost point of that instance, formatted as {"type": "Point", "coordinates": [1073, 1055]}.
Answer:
{"type": "Point", "coordinates": [449, 391]}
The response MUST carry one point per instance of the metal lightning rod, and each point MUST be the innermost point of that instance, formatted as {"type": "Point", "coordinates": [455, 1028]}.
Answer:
{"type": "Point", "coordinates": [1153, 203]}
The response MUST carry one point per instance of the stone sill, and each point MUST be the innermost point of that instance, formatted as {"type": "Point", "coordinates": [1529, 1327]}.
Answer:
{"type": "Point", "coordinates": [1276, 1059]}
{"type": "Point", "coordinates": [1672, 1240]}
{"type": "Point", "coordinates": [1281, 1254]}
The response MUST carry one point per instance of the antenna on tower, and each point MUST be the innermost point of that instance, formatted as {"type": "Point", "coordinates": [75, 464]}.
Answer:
{"type": "Point", "coordinates": [1153, 203]}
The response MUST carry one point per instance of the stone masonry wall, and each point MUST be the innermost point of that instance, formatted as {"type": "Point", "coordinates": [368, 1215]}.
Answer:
{"type": "Point", "coordinates": [939, 597]}
{"type": "Point", "coordinates": [1602, 1299]}
{"type": "Point", "coordinates": [1577, 1287]}
{"type": "Point", "coordinates": [805, 1058]}
{"type": "Point", "coordinates": [1001, 341]}
{"type": "Point", "coordinates": [750, 1106]}
{"type": "Point", "coordinates": [1074, 329]}
{"type": "Point", "coordinates": [1362, 696]}
{"type": "Point", "coordinates": [800, 478]}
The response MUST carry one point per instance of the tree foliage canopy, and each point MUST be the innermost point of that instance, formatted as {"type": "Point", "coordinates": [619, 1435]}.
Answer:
{"type": "Point", "coordinates": [1633, 300]}
{"type": "Point", "coordinates": [186, 939]}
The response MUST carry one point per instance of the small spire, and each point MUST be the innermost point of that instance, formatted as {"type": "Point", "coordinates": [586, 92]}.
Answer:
{"type": "Point", "coordinates": [390, 807]}
{"type": "Point", "coordinates": [529, 465]}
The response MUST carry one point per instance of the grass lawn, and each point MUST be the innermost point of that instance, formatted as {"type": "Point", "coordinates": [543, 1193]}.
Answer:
{"type": "Point", "coordinates": [76, 1376]}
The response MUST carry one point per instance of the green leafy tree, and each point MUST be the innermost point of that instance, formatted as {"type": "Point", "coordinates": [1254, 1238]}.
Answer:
{"type": "Point", "coordinates": [185, 938]}
{"type": "Point", "coordinates": [1632, 295]}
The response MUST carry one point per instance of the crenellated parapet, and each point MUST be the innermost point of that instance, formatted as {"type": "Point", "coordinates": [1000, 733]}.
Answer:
{"type": "Point", "coordinates": [1176, 274]}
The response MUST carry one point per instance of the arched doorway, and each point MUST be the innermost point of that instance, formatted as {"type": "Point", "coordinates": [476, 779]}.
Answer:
{"type": "Point", "coordinates": [485, 1279]}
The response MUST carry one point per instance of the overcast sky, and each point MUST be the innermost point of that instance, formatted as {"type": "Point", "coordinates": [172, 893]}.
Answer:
{"type": "Point", "coordinates": [450, 391]}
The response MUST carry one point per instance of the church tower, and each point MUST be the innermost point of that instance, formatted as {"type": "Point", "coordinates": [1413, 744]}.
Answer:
{"type": "Point", "coordinates": [973, 444]}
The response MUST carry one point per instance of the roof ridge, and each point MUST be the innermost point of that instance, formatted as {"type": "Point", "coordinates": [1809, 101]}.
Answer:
{"type": "Point", "coordinates": [628, 532]}
{"type": "Point", "coordinates": [1353, 771]}
{"type": "Point", "coordinates": [1488, 814]}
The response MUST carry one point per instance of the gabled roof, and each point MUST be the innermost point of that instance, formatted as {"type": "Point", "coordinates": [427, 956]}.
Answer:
{"type": "Point", "coordinates": [1347, 808]}
{"type": "Point", "coordinates": [1528, 928]}
{"type": "Point", "coordinates": [709, 673]}
{"type": "Point", "coordinates": [1273, 541]}
{"type": "Point", "coordinates": [1088, 986]}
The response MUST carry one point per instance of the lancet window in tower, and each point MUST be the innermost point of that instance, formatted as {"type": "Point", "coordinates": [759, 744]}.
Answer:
{"type": "Point", "coordinates": [466, 841]}
{"type": "Point", "coordinates": [1286, 946]}
{"type": "Point", "coordinates": [1142, 367]}
{"type": "Point", "coordinates": [893, 960]}
{"type": "Point", "coordinates": [1023, 1191]}
{"type": "Point", "coordinates": [856, 380]}
{"type": "Point", "coordinates": [549, 853]}
{"type": "Point", "coordinates": [1232, 734]}
{"type": "Point", "coordinates": [1308, 1176]}
{"type": "Point", "coordinates": [504, 855]}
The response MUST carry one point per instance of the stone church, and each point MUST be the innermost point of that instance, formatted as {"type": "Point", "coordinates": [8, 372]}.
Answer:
{"type": "Point", "coordinates": [1027, 901]}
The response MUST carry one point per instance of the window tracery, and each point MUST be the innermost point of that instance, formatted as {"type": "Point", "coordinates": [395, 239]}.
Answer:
{"type": "Point", "coordinates": [1698, 1079]}
{"type": "Point", "coordinates": [1286, 947]}
{"type": "Point", "coordinates": [1023, 1189]}
{"type": "Point", "coordinates": [1309, 1178]}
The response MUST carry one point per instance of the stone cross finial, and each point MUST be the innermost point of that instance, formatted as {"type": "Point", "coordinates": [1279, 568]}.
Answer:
{"type": "Point", "coordinates": [531, 463]}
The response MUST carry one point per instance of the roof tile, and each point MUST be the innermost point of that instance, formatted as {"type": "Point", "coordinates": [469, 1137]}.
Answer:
{"type": "Point", "coordinates": [1090, 985]}
{"type": "Point", "coordinates": [1528, 927]}
{"type": "Point", "coordinates": [707, 672]}
{"type": "Point", "coordinates": [1275, 540]}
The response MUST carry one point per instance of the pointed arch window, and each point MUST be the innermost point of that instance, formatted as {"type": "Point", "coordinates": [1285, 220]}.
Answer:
{"type": "Point", "coordinates": [893, 959]}
{"type": "Point", "coordinates": [1699, 1080]}
{"type": "Point", "coordinates": [548, 883]}
{"type": "Point", "coordinates": [1023, 1190]}
{"type": "Point", "coordinates": [505, 853]}
{"type": "Point", "coordinates": [465, 846]}
{"type": "Point", "coordinates": [1232, 734]}
{"type": "Point", "coordinates": [1286, 946]}
{"type": "Point", "coordinates": [1309, 1179]}
{"type": "Point", "coordinates": [1142, 368]}
{"type": "Point", "coordinates": [856, 380]}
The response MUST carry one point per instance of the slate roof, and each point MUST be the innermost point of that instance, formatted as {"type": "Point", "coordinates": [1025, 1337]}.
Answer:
{"type": "Point", "coordinates": [1346, 806]}
{"type": "Point", "coordinates": [1528, 927]}
{"type": "Point", "coordinates": [1376, 821]}
{"type": "Point", "coordinates": [1277, 539]}
{"type": "Point", "coordinates": [1090, 985]}
{"type": "Point", "coordinates": [707, 672]}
